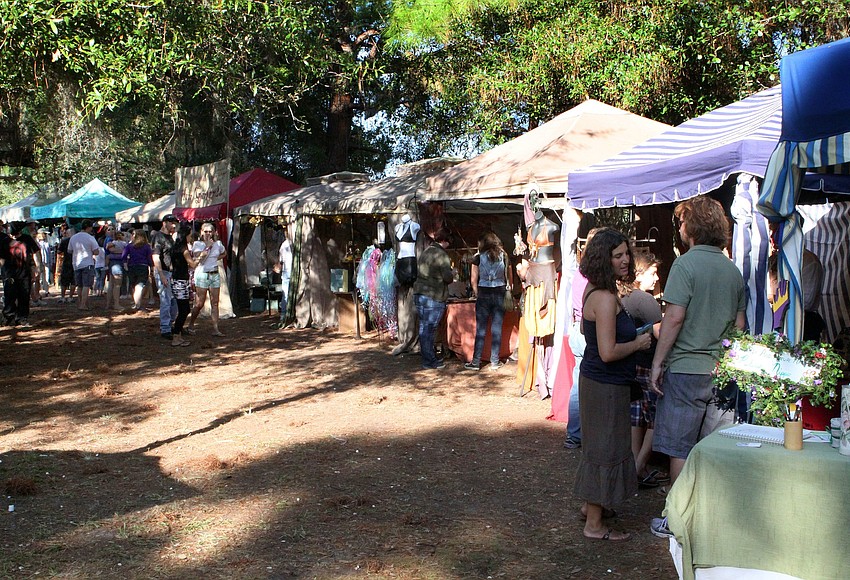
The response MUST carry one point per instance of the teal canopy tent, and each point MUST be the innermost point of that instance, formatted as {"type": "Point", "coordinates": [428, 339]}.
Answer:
{"type": "Point", "coordinates": [93, 200]}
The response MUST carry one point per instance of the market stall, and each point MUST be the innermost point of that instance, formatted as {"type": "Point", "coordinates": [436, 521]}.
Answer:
{"type": "Point", "coordinates": [333, 223]}
{"type": "Point", "coordinates": [152, 211]}
{"type": "Point", "coordinates": [539, 160]}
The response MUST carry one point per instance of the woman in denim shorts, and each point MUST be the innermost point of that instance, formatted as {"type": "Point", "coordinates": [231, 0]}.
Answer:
{"type": "Point", "coordinates": [207, 277]}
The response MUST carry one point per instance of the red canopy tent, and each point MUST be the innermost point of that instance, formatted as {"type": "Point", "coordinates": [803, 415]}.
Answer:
{"type": "Point", "coordinates": [251, 186]}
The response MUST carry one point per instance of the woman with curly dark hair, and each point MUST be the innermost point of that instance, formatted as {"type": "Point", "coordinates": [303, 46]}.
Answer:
{"type": "Point", "coordinates": [606, 475]}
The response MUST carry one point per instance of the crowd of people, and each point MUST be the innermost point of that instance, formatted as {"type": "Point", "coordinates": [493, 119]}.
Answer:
{"type": "Point", "coordinates": [113, 263]}
{"type": "Point", "coordinates": [643, 381]}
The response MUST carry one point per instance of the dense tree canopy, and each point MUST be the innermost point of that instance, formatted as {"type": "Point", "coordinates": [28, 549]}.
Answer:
{"type": "Point", "coordinates": [137, 89]}
{"type": "Point", "coordinates": [497, 68]}
{"type": "Point", "coordinates": [128, 91]}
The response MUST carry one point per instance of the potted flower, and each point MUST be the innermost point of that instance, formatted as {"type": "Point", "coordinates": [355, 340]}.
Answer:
{"type": "Point", "coordinates": [778, 374]}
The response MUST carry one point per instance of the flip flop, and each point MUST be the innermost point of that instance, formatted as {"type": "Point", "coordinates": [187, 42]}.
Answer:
{"type": "Point", "coordinates": [649, 481]}
{"type": "Point", "coordinates": [662, 490]}
{"type": "Point", "coordinates": [607, 514]}
{"type": "Point", "coordinates": [607, 537]}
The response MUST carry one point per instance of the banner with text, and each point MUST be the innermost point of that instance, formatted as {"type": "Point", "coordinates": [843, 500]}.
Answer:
{"type": "Point", "coordinates": [202, 185]}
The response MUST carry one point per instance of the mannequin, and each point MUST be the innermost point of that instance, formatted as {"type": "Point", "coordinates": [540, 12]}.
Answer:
{"type": "Point", "coordinates": [539, 314]}
{"type": "Point", "coordinates": [406, 233]}
{"type": "Point", "coordinates": [538, 272]}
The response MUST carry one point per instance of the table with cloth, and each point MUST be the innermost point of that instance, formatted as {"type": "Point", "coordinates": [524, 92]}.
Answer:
{"type": "Point", "coordinates": [763, 508]}
{"type": "Point", "coordinates": [460, 331]}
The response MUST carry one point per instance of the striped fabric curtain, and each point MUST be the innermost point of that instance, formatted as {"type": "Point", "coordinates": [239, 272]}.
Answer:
{"type": "Point", "coordinates": [750, 250]}
{"type": "Point", "coordinates": [825, 234]}
{"type": "Point", "coordinates": [782, 183]}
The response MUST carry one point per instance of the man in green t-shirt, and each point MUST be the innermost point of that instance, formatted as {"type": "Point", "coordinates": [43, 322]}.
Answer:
{"type": "Point", "coordinates": [705, 299]}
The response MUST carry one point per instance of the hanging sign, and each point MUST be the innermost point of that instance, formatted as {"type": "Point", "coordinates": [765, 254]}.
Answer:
{"type": "Point", "coordinates": [202, 185]}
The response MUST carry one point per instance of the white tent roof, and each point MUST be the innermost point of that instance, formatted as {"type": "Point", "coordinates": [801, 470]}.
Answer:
{"type": "Point", "coordinates": [390, 195]}
{"type": "Point", "coordinates": [20, 210]}
{"type": "Point", "coordinates": [150, 212]}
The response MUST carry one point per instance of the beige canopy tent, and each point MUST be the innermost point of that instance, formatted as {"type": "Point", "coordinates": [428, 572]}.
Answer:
{"type": "Point", "coordinates": [337, 194]}
{"type": "Point", "coordinates": [588, 133]}
{"type": "Point", "coordinates": [341, 193]}
{"type": "Point", "coordinates": [152, 211]}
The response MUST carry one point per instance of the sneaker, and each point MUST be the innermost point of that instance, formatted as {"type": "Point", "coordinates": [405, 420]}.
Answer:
{"type": "Point", "coordinates": [495, 366]}
{"type": "Point", "coordinates": [438, 365]}
{"type": "Point", "coordinates": [471, 366]}
{"type": "Point", "coordinates": [572, 443]}
{"type": "Point", "coordinates": [167, 336]}
{"type": "Point", "coordinates": [659, 528]}
{"type": "Point", "coordinates": [24, 323]}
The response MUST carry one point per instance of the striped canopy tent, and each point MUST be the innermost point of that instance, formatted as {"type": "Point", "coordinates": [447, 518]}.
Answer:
{"type": "Point", "coordinates": [695, 158]}
{"type": "Point", "coordinates": [815, 137]}
{"type": "Point", "coordinates": [687, 160]}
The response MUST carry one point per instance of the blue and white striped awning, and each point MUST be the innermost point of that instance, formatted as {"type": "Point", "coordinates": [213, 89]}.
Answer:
{"type": "Point", "coordinates": [688, 160]}
{"type": "Point", "coordinates": [815, 136]}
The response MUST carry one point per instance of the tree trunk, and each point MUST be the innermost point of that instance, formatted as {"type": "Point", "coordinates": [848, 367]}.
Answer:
{"type": "Point", "coordinates": [340, 117]}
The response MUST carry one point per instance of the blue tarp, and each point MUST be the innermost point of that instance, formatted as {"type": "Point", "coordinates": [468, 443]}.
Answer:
{"type": "Point", "coordinates": [816, 92]}
{"type": "Point", "coordinates": [93, 200]}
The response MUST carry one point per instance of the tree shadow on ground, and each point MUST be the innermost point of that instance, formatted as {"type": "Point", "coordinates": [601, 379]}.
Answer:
{"type": "Point", "coordinates": [447, 503]}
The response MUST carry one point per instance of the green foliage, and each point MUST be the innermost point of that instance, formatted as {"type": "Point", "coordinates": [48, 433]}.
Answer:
{"type": "Point", "coordinates": [501, 68]}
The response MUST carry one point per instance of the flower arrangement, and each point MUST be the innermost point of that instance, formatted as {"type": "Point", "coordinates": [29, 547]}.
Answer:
{"type": "Point", "coordinates": [778, 374]}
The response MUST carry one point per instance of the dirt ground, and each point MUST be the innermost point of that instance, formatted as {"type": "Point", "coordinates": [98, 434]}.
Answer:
{"type": "Point", "coordinates": [282, 454]}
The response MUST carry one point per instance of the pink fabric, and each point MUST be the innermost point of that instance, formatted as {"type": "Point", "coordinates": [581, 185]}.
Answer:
{"type": "Point", "coordinates": [561, 392]}
{"type": "Point", "coordinates": [576, 293]}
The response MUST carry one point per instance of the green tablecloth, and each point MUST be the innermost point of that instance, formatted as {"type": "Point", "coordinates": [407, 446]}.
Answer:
{"type": "Point", "coordinates": [766, 508]}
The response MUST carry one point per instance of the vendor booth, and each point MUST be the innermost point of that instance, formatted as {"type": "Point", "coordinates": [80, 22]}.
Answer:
{"type": "Point", "coordinates": [333, 224]}
{"type": "Point", "coordinates": [536, 161]}
{"type": "Point", "coordinates": [723, 153]}
{"type": "Point", "coordinates": [20, 210]}
{"type": "Point", "coordinates": [94, 200]}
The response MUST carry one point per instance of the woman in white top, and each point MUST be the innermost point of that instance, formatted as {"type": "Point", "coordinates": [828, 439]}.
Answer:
{"type": "Point", "coordinates": [207, 277]}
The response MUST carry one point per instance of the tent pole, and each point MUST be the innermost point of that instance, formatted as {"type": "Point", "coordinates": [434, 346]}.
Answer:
{"type": "Point", "coordinates": [356, 314]}
{"type": "Point", "coordinates": [532, 356]}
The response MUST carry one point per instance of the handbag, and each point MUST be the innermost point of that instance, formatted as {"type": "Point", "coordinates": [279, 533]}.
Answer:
{"type": "Point", "coordinates": [508, 304]}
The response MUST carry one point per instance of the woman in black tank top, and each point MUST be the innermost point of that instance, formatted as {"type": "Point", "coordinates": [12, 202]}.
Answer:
{"type": "Point", "coordinates": [606, 475]}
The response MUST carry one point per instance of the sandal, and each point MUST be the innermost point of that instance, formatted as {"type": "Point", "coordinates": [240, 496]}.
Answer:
{"type": "Point", "coordinates": [649, 481]}
{"type": "Point", "coordinates": [623, 536]}
{"type": "Point", "coordinates": [662, 490]}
